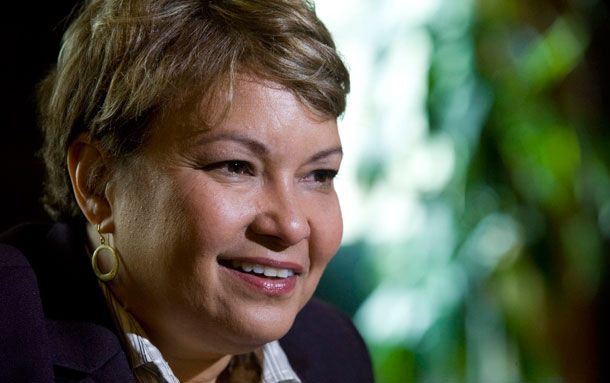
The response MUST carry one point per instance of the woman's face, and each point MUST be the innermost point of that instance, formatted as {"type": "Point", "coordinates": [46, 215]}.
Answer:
{"type": "Point", "coordinates": [205, 217]}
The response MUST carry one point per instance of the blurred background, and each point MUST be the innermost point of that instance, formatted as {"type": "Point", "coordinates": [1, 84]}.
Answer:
{"type": "Point", "coordinates": [475, 186]}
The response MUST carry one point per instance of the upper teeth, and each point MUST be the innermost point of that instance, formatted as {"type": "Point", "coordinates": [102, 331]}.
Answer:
{"type": "Point", "coordinates": [265, 270]}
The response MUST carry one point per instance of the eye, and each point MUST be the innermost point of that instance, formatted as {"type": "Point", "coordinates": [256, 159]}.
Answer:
{"type": "Point", "coordinates": [322, 176]}
{"type": "Point", "coordinates": [231, 167]}
{"type": "Point", "coordinates": [238, 167]}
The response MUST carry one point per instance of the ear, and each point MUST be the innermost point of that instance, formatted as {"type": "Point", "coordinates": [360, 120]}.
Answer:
{"type": "Point", "coordinates": [89, 172]}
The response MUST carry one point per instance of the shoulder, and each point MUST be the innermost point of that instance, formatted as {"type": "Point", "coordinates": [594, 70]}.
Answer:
{"type": "Point", "coordinates": [324, 345]}
{"type": "Point", "coordinates": [54, 324]}
{"type": "Point", "coordinates": [26, 258]}
{"type": "Point", "coordinates": [18, 285]}
{"type": "Point", "coordinates": [23, 352]}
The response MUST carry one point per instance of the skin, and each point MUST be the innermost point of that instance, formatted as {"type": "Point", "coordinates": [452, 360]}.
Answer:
{"type": "Point", "coordinates": [258, 184]}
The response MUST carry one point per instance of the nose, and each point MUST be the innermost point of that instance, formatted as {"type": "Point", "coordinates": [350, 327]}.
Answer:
{"type": "Point", "coordinates": [281, 218]}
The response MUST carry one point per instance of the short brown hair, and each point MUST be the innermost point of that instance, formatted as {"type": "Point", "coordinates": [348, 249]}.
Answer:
{"type": "Point", "coordinates": [123, 62]}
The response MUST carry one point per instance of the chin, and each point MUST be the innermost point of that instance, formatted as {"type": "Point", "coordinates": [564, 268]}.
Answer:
{"type": "Point", "coordinates": [263, 325]}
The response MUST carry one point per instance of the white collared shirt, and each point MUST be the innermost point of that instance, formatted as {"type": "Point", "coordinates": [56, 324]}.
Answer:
{"type": "Point", "coordinates": [149, 366]}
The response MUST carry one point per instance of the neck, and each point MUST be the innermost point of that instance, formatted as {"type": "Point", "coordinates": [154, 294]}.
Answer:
{"type": "Point", "coordinates": [198, 371]}
{"type": "Point", "coordinates": [202, 369]}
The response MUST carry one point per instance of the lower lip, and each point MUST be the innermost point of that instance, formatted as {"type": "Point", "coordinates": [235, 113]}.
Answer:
{"type": "Point", "coordinates": [265, 286]}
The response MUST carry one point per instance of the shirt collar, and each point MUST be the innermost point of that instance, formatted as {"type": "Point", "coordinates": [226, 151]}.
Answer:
{"type": "Point", "coordinates": [149, 366]}
{"type": "Point", "coordinates": [276, 367]}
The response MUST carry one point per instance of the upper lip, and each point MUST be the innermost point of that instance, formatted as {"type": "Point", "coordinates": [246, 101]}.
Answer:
{"type": "Point", "coordinates": [295, 267]}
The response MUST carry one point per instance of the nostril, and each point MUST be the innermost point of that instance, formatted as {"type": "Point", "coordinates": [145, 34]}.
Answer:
{"type": "Point", "coordinates": [283, 229]}
{"type": "Point", "coordinates": [275, 244]}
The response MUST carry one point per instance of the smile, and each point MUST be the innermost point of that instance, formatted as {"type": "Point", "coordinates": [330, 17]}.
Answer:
{"type": "Point", "coordinates": [267, 271]}
{"type": "Point", "coordinates": [265, 276]}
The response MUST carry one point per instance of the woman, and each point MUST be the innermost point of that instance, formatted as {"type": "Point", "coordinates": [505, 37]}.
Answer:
{"type": "Point", "coordinates": [190, 149]}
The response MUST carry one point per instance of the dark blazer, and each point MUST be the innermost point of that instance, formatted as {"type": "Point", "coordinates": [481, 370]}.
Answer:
{"type": "Point", "coordinates": [55, 327]}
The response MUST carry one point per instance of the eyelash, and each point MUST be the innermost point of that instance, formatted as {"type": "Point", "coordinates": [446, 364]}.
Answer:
{"type": "Point", "coordinates": [242, 165]}
{"type": "Point", "coordinates": [322, 176]}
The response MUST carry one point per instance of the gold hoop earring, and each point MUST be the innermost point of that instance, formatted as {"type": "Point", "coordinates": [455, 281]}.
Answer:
{"type": "Point", "coordinates": [107, 277]}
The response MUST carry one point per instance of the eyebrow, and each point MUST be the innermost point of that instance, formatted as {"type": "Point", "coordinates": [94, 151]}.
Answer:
{"type": "Point", "coordinates": [251, 144]}
{"type": "Point", "coordinates": [260, 149]}
{"type": "Point", "coordinates": [326, 153]}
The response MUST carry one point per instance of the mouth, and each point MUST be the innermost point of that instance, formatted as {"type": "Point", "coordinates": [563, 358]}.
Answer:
{"type": "Point", "coordinates": [259, 270]}
{"type": "Point", "coordinates": [263, 276]}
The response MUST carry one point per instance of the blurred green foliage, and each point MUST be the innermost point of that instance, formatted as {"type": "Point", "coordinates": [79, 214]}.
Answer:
{"type": "Point", "coordinates": [501, 257]}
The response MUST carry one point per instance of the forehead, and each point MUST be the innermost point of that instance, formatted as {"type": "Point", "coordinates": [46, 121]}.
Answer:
{"type": "Point", "coordinates": [249, 106]}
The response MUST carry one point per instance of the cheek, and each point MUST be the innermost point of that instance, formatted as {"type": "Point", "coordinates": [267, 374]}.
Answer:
{"type": "Point", "coordinates": [214, 215]}
{"type": "Point", "coordinates": [327, 231]}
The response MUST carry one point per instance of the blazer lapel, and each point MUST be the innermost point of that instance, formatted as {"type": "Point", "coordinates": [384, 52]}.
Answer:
{"type": "Point", "coordinates": [86, 351]}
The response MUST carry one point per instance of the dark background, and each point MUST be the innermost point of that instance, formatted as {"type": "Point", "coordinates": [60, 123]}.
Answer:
{"type": "Point", "coordinates": [32, 36]}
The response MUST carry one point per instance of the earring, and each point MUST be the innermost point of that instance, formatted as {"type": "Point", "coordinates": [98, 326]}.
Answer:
{"type": "Point", "coordinates": [115, 268]}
